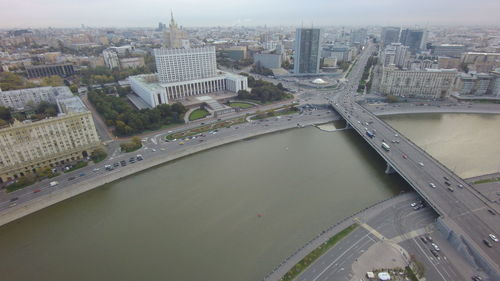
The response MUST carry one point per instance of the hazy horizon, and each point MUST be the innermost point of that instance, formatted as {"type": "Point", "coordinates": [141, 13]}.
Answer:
{"type": "Point", "coordinates": [147, 13]}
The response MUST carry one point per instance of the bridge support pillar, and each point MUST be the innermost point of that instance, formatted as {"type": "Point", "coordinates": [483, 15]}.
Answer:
{"type": "Point", "coordinates": [389, 169]}
{"type": "Point", "coordinates": [347, 125]}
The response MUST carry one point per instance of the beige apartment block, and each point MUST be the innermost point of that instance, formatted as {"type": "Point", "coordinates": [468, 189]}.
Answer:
{"type": "Point", "coordinates": [27, 146]}
{"type": "Point", "coordinates": [429, 83]}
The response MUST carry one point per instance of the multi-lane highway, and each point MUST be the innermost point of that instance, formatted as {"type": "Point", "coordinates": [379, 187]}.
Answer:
{"type": "Point", "coordinates": [466, 213]}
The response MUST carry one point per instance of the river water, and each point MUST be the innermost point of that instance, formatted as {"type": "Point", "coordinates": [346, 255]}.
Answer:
{"type": "Point", "coordinates": [230, 213]}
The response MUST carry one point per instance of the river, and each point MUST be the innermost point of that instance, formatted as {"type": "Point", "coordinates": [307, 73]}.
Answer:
{"type": "Point", "coordinates": [230, 213]}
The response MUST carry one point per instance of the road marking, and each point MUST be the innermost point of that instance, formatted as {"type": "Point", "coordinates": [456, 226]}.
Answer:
{"type": "Point", "coordinates": [408, 235]}
{"type": "Point", "coordinates": [333, 262]}
{"type": "Point", "coordinates": [370, 229]}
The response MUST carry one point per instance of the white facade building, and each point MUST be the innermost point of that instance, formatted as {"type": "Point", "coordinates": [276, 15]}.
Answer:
{"type": "Point", "coordinates": [429, 83]}
{"type": "Point", "coordinates": [111, 58]}
{"type": "Point", "coordinates": [175, 65]}
{"type": "Point", "coordinates": [154, 93]}
{"type": "Point", "coordinates": [18, 99]}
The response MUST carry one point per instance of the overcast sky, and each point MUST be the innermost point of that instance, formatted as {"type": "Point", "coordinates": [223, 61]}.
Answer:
{"type": "Point", "coordinates": [191, 13]}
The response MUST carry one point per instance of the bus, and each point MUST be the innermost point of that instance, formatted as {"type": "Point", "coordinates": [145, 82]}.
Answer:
{"type": "Point", "coordinates": [386, 146]}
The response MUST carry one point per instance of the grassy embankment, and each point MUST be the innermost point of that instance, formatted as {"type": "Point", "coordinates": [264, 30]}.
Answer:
{"type": "Point", "coordinates": [316, 253]}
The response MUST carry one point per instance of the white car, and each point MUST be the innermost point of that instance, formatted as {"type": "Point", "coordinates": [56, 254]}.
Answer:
{"type": "Point", "coordinates": [493, 237]}
{"type": "Point", "coordinates": [421, 164]}
{"type": "Point", "coordinates": [413, 204]}
{"type": "Point", "coordinates": [432, 185]}
{"type": "Point", "coordinates": [435, 247]}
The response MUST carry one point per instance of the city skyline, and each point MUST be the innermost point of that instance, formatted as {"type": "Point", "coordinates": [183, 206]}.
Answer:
{"type": "Point", "coordinates": [58, 13]}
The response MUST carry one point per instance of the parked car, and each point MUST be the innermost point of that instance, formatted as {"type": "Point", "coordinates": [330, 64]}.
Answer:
{"type": "Point", "coordinates": [423, 239]}
{"type": "Point", "coordinates": [435, 247]}
{"type": "Point", "coordinates": [434, 253]}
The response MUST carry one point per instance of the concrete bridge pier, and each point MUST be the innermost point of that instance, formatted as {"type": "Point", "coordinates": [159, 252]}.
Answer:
{"type": "Point", "coordinates": [389, 169]}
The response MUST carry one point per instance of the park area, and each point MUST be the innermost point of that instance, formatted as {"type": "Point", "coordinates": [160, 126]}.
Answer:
{"type": "Point", "coordinates": [198, 114]}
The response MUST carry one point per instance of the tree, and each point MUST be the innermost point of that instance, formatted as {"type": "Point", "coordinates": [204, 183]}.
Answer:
{"type": "Point", "coordinates": [5, 113]}
{"type": "Point", "coordinates": [53, 81]}
{"type": "Point", "coordinates": [98, 155]}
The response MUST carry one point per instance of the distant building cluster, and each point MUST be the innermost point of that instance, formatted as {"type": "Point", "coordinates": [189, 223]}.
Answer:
{"type": "Point", "coordinates": [29, 145]}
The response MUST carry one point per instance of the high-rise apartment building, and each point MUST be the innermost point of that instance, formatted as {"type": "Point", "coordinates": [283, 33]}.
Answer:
{"type": "Point", "coordinates": [396, 54]}
{"type": "Point", "coordinates": [390, 34]}
{"type": "Point", "coordinates": [430, 83]}
{"type": "Point", "coordinates": [307, 51]}
{"type": "Point", "coordinates": [175, 65]}
{"type": "Point", "coordinates": [27, 146]}
{"type": "Point", "coordinates": [358, 36]}
{"type": "Point", "coordinates": [175, 37]}
{"type": "Point", "coordinates": [415, 39]}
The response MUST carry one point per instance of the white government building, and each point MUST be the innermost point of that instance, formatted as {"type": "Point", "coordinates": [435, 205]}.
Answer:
{"type": "Point", "coordinates": [429, 83]}
{"type": "Point", "coordinates": [183, 73]}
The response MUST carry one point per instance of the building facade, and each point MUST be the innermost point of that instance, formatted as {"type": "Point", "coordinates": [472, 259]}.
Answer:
{"type": "Point", "coordinates": [19, 99]}
{"type": "Point", "coordinates": [132, 62]}
{"type": "Point", "coordinates": [481, 62]}
{"type": "Point", "coordinates": [111, 59]}
{"type": "Point", "coordinates": [495, 83]}
{"type": "Point", "coordinates": [431, 83]}
{"type": "Point", "coordinates": [268, 60]}
{"type": "Point", "coordinates": [358, 36]}
{"type": "Point", "coordinates": [176, 65]}
{"type": "Point", "coordinates": [154, 93]}
{"type": "Point", "coordinates": [448, 50]}
{"type": "Point", "coordinates": [476, 84]}
{"type": "Point", "coordinates": [415, 39]}
{"type": "Point", "coordinates": [396, 54]}
{"type": "Point", "coordinates": [390, 34]}
{"type": "Point", "coordinates": [175, 37]}
{"type": "Point", "coordinates": [63, 70]}
{"type": "Point", "coordinates": [307, 51]}
{"type": "Point", "coordinates": [27, 146]}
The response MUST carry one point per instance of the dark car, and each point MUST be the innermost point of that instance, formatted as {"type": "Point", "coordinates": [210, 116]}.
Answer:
{"type": "Point", "coordinates": [123, 163]}
{"type": "Point", "coordinates": [487, 243]}
{"type": "Point", "coordinates": [446, 178]}
{"type": "Point", "coordinates": [447, 183]}
{"type": "Point", "coordinates": [423, 239]}
{"type": "Point", "coordinates": [476, 278]}
{"type": "Point", "coordinates": [434, 253]}
{"type": "Point", "coordinates": [116, 164]}
{"type": "Point", "coordinates": [491, 212]}
{"type": "Point", "coordinates": [82, 174]}
{"type": "Point", "coordinates": [71, 178]}
{"type": "Point", "coordinates": [13, 199]}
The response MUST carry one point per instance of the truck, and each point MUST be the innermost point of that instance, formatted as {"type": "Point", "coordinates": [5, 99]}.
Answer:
{"type": "Point", "coordinates": [370, 134]}
{"type": "Point", "coordinates": [385, 146]}
{"type": "Point", "coordinates": [53, 183]}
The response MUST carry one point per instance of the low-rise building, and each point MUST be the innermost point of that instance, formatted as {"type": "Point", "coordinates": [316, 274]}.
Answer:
{"type": "Point", "coordinates": [155, 93]}
{"type": "Point", "coordinates": [134, 62]}
{"type": "Point", "coordinates": [268, 60]}
{"type": "Point", "coordinates": [448, 50]}
{"type": "Point", "coordinates": [63, 70]}
{"type": "Point", "coordinates": [429, 83]}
